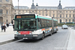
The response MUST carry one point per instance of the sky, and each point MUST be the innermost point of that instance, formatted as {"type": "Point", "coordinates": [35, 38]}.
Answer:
{"type": "Point", "coordinates": [64, 3]}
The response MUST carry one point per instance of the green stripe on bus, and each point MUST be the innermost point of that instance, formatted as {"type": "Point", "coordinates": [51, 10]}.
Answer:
{"type": "Point", "coordinates": [42, 17]}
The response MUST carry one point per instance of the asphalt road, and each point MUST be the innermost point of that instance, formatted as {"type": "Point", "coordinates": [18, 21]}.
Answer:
{"type": "Point", "coordinates": [57, 41]}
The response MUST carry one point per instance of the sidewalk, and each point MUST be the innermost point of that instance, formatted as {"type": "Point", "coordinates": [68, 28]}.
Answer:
{"type": "Point", "coordinates": [71, 43]}
{"type": "Point", "coordinates": [8, 35]}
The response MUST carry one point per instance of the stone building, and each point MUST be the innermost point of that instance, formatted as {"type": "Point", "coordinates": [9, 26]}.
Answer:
{"type": "Point", "coordinates": [7, 12]}
{"type": "Point", "coordinates": [66, 14]}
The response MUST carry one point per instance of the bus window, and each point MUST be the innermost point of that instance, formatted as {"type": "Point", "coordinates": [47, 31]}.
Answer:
{"type": "Point", "coordinates": [16, 25]}
{"type": "Point", "coordinates": [25, 24]}
{"type": "Point", "coordinates": [32, 24]}
{"type": "Point", "coordinates": [39, 23]}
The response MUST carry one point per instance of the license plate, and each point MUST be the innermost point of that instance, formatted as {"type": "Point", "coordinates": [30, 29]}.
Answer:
{"type": "Point", "coordinates": [25, 38]}
{"type": "Point", "coordinates": [24, 35]}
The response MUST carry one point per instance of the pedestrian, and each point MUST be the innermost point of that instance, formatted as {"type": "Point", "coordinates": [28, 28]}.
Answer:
{"type": "Point", "coordinates": [7, 25]}
{"type": "Point", "coordinates": [4, 28]}
{"type": "Point", "coordinates": [1, 28]}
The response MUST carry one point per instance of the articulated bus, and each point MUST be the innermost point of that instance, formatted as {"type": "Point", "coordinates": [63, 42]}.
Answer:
{"type": "Point", "coordinates": [33, 26]}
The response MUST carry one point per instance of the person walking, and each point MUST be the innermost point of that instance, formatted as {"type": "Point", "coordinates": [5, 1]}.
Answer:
{"type": "Point", "coordinates": [4, 28]}
{"type": "Point", "coordinates": [7, 25]}
{"type": "Point", "coordinates": [1, 28]}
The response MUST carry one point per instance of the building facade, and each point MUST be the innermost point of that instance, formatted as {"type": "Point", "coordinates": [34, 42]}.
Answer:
{"type": "Point", "coordinates": [66, 14]}
{"type": "Point", "coordinates": [63, 15]}
{"type": "Point", "coordinates": [6, 11]}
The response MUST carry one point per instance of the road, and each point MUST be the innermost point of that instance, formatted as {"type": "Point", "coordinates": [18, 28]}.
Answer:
{"type": "Point", "coordinates": [58, 41]}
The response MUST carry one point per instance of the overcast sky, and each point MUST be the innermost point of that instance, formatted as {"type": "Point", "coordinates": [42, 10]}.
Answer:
{"type": "Point", "coordinates": [28, 3]}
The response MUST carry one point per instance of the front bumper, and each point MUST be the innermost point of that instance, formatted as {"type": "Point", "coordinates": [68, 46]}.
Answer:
{"type": "Point", "coordinates": [34, 36]}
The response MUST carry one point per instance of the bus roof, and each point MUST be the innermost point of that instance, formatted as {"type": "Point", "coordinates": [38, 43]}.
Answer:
{"type": "Point", "coordinates": [43, 17]}
{"type": "Point", "coordinates": [55, 19]}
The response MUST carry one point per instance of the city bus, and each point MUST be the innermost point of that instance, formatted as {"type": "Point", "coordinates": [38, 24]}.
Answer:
{"type": "Point", "coordinates": [33, 26]}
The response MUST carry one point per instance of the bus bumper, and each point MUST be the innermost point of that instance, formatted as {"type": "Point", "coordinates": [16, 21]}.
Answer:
{"type": "Point", "coordinates": [34, 36]}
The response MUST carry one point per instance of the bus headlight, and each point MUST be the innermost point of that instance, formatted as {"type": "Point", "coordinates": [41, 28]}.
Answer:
{"type": "Point", "coordinates": [30, 32]}
{"type": "Point", "coordinates": [18, 32]}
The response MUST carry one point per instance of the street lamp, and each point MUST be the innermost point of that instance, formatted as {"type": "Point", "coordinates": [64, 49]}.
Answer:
{"type": "Point", "coordinates": [52, 25]}
{"type": "Point", "coordinates": [18, 6]}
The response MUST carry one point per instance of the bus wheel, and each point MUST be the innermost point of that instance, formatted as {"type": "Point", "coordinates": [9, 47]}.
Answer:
{"type": "Point", "coordinates": [43, 36]}
{"type": "Point", "coordinates": [55, 31]}
{"type": "Point", "coordinates": [50, 34]}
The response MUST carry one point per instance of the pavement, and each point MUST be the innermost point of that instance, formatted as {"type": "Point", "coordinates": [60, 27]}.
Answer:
{"type": "Point", "coordinates": [8, 35]}
{"type": "Point", "coordinates": [71, 42]}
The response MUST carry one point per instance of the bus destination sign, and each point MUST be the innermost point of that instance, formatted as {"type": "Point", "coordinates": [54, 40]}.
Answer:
{"type": "Point", "coordinates": [18, 16]}
{"type": "Point", "coordinates": [24, 16]}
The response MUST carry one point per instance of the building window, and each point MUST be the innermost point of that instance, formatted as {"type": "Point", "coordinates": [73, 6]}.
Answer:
{"type": "Point", "coordinates": [60, 16]}
{"type": "Point", "coordinates": [70, 15]}
{"type": "Point", "coordinates": [46, 15]}
{"type": "Point", "coordinates": [0, 0]}
{"type": "Point", "coordinates": [66, 20]}
{"type": "Point", "coordinates": [59, 11]}
{"type": "Point", "coordinates": [69, 20]}
{"type": "Point", "coordinates": [73, 16]}
{"type": "Point", "coordinates": [73, 20]}
{"type": "Point", "coordinates": [43, 13]}
{"type": "Point", "coordinates": [32, 11]}
{"type": "Point", "coordinates": [7, 0]}
{"type": "Point", "coordinates": [53, 11]}
{"type": "Point", "coordinates": [66, 15]}
{"type": "Point", "coordinates": [60, 21]}
{"type": "Point", "coordinates": [6, 21]}
{"type": "Point", "coordinates": [73, 11]}
{"type": "Point", "coordinates": [36, 11]}
{"type": "Point", "coordinates": [1, 11]}
{"type": "Point", "coordinates": [6, 11]}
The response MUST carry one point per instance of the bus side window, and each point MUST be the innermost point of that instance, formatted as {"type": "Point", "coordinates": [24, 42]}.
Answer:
{"type": "Point", "coordinates": [39, 23]}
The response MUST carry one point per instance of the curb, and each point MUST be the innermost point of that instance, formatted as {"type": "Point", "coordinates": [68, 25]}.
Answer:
{"type": "Point", "coordinates": [1, 43]}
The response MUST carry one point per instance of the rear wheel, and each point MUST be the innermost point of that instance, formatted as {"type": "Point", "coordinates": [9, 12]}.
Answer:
{"type": "Point", "coordinates": [50, 34]}
{"type": "Point", "coordinates": [55, 31]}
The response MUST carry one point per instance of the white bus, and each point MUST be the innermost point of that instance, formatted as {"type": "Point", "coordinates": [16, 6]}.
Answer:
{"type": "Point", "coordinates": [32, 26]}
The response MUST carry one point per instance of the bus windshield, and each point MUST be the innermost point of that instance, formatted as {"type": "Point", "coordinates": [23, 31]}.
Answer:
{"type": "Point", "coordinates": [25, 24]}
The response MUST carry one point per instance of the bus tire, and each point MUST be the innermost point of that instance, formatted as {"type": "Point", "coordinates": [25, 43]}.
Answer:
{"type": "Point", "coordinates": [50, 34]}
{"type": "Point", "coordinates": [43, 36]}
{"type": "Point", "coordinates": [56, 32]}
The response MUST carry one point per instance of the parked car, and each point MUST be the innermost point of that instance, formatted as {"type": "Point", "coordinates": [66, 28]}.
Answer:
{"type": "Point", "coordinates": [64, 26]}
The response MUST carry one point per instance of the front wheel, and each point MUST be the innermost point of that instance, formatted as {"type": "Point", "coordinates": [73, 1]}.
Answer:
{"type": "Point", "coordinates": [43, 36]}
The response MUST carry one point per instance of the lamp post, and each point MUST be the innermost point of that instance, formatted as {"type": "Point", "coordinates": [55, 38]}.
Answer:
{"type": "Point", "coordinates": [52, 25]}
{"type": "Point", "coordinates": [18, 6]}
